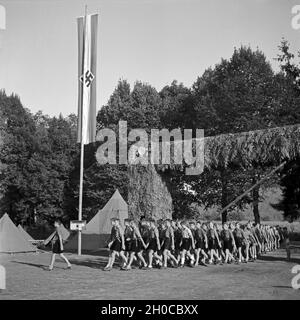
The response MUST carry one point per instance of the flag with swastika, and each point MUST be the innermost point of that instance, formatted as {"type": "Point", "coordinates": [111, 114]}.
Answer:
{"type": "Point", "coordinates": [87, 58]}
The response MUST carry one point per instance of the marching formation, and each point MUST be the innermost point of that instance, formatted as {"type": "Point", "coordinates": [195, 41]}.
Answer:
{"type": "Point", "coordinates": [169, 243]}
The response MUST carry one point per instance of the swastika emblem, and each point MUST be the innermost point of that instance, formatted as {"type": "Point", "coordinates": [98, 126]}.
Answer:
{"type": "Point", "coordinates": [87, 78]}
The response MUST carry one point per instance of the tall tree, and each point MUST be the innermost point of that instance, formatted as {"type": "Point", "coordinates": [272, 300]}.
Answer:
{"type": "Point", "coordinates": [288, 112]}
{"type": "Point", "coordinates": [234, 96]}
{"type": "Point", "coordinates": [173, 99]}
{"type": "Point", "coordinates": [19, 147]}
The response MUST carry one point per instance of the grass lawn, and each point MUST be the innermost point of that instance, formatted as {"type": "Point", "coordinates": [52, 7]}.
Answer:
{"type": "Point", "coordinates": [268, 278]}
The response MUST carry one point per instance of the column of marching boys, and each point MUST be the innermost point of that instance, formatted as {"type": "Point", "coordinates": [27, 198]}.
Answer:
{"type": "Point", "coordinates": [167, 243]}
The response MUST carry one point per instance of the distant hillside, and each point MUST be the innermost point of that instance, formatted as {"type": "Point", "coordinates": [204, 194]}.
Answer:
{"type": "Point", "coordinates": [267, 212]}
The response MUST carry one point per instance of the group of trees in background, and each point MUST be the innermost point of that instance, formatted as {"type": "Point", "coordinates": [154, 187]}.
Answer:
{"type": "Point", "coordinates": [39, 156]}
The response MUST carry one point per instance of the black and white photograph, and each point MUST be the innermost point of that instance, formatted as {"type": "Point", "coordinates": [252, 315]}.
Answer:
{"type": "Point", "coordinates": [149, 151]}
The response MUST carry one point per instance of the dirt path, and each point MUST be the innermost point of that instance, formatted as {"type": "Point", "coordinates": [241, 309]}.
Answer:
{"type": "Point", "coordinates": [269, 278]}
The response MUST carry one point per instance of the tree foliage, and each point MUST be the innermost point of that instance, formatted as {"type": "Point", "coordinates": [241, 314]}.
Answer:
{"type": "Point", "coordinates": [248, 112]}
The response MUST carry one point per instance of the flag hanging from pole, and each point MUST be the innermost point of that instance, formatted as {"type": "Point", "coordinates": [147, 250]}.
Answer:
{"type": "Point", "coordinates": [87, 56]}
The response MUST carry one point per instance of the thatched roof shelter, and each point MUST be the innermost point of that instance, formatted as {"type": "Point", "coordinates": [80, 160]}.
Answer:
{"type": "Point", "coordinates": [246, 149]}
{"type": "Point", "coordinates": [260, 147]}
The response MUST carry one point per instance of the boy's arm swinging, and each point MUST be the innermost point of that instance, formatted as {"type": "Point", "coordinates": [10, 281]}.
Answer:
{"type": "Point", "coordinates": [122, 238]}
{"type": "Point", "coordinates": [192, 238]}
{"type": "Point", "coordinates": [157, 238]}
{"type": "Point", "coordinates": [138, 234]}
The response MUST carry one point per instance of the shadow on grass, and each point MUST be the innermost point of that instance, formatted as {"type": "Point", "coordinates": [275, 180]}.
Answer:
{"type": "Point", "coordinates": [40, 266]}
{"type": "Point", "coordinates": [97, 263]}
{"type": "Point", "coordinates": [94, 264]}
{"type": "Point", "coordinates": [100, 252]}
{"type": "Point", "coordinates": [283, 259]}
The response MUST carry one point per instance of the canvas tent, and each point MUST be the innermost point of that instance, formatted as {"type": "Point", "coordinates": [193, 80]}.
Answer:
{"type": "Point", "coordinates": [11, 239]}
{"type": "Point", "coordinates": [25, 235]}
{"type": "Point", "coordinates": [98, 229]}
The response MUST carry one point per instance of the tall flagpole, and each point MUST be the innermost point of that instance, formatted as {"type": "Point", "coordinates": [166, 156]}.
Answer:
{"type": "Point", "coordinates": [81, 163]}
{"type": "Point", "coordinates": [80, 193]}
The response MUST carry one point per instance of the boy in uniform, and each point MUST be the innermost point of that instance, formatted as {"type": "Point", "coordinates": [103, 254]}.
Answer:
{"type": "Point", "coordinates": [187, 244]}
{"type": "Point", "coordinates": [116, 244]}
{"type": "Point", "coordinates": [57, 238]}
{"type": "Point", "coordinates": [154, 245]}
{"type": "Point", "coordinates": [228, 243]}
{"type": "Point", "coordinates": [168, 244]}
{"type": "Point", "coordinates": [137, 246]}
{"type": "Point", "coordinates": [213, 243]}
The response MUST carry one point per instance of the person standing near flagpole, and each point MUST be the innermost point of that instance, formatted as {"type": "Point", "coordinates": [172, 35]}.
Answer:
{"type": "Point", "coordinates": [57, 238]}
{"type": "Point", "coordinates": [87, 58]}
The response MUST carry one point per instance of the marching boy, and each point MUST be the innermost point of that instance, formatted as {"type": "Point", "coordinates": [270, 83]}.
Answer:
{"type": "Point", "coordinates": [137, 245]}
{"type": "Point", "coordinates": [116, 244]}
{"type": "Point", "coordinates": [168, 244]}
{"type": "Point", "coordinates": [57, 238]}
{"type": "Point", "coordinates": [154, 244]}
{"type": "Point", "coordinates": [201, 244]}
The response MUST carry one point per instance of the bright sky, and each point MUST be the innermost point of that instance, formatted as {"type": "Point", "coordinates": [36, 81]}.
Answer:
{"type": "Point", "coordinates": [155, 41]}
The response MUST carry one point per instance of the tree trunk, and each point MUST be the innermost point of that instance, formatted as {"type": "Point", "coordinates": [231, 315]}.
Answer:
{"type": "Point", "coordinates": [224, 196]}
{"type": "Point", "coordinates": [255, 199]}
